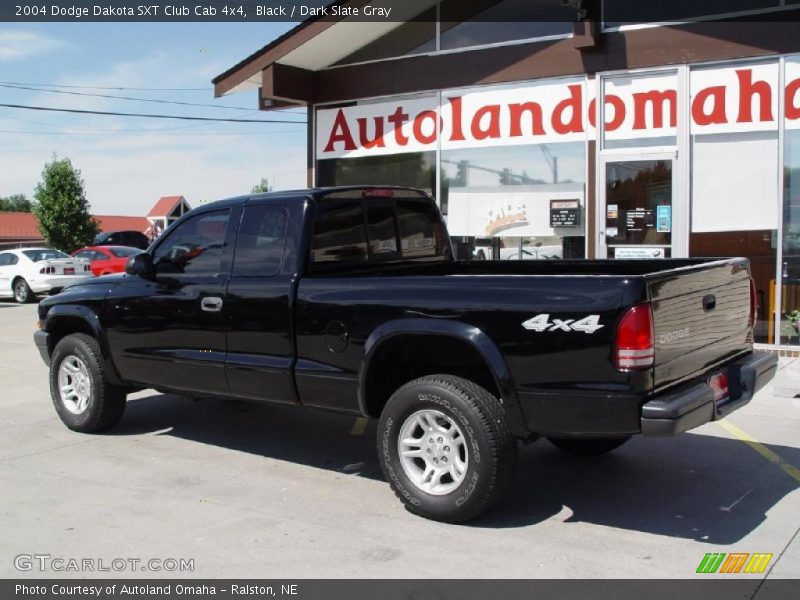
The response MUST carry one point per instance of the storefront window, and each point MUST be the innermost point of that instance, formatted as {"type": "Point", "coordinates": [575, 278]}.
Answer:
{"type": "Point", "coordinates": [734, 208]}
{"type": "Point", "coordinates": [734, 174]}
{"type": "Point", "coordinates": [413, 169]}
{"type": "Point", "coordinates": [790, 291]}
{"type": "Point", "coordinates": [501, 200]}
{"type": "Point", "coordinates": [640, 110]}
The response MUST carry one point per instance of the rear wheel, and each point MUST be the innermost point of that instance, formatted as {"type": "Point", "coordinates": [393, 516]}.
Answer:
{"type": "Point", "coordinates": [588, 446]}
{"type": "Point", "coordinates": [445, 448]}
{"type": "Point", "coordinates": [22, 291]}
{"type": "Point", "coordinates": [84, 399]}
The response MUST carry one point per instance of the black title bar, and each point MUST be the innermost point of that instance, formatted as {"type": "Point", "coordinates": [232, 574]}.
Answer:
{"type": "Point", "coordinates": [734, 588]}
{"type": "Point", "coordinates": [612, 13]}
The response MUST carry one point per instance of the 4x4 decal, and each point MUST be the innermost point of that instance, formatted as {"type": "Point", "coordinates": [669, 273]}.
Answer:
{"type": "Point", "coordinates": [542, 323]}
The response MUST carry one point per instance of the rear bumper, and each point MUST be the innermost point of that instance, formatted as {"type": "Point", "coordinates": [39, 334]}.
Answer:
{"type": "Point", "coordinates": [40, 338]}
{"type": "Point", "coordinates": [691, 406]}
{"type": "Point", "coordinates": [581, 413]}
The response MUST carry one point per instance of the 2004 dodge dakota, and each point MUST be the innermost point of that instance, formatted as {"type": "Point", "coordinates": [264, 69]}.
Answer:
{"type": "Point", "coordinates": [349, 299]}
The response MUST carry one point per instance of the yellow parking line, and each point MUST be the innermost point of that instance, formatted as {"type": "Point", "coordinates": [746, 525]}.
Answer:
{"type": "Point", "coordinates": [776, 460]}
{"type": "Point", "coordinates": [359, 426]}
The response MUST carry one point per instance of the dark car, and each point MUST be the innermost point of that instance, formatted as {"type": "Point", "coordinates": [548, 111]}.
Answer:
{"type": "Point", "coordinates": [349, 299]}
{"type": "Point", "coordinates": [133, 239]}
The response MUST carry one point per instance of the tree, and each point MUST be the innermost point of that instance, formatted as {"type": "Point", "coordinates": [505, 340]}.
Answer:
{"type": "Point", "coordinates": [261, 186]}
{"type": "Point", "coordinates": [15, 203]}
{"type": "Point", "coordinates": [61, 207]}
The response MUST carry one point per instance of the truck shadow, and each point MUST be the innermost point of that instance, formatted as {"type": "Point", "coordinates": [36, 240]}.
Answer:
{"type": "Point", "coordinates": [695, 486]}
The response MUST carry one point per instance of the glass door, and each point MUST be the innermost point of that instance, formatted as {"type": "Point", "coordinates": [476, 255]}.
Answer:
{"type": "Point", "coordinates": [635, 216]}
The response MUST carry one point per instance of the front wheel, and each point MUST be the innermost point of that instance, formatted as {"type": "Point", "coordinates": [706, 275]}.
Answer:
{"type": "Point", "coordinates": [445, 448]}
{"type": "Point", "coordinates": [588, 446]}
{"type": "Point", "coordinates": [84, 399]}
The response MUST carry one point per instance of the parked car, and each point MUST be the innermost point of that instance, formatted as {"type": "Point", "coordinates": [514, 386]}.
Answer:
{"type": "Point", "coordinates": [105, 260]}
{"type": "Point", "coordinates": [134, 239]}
{"type": "Point", "coordinates": [26, 272]}
{"type": "Point", "coordinates": [349, 299]}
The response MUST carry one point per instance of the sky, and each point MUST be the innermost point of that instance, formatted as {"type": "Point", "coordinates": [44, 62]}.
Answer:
{"type": "Point", "coordinates": [127, 163]}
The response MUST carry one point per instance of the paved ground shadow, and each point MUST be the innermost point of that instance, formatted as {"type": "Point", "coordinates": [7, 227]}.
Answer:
{"type": "Point", "coordinates": [701, 487]}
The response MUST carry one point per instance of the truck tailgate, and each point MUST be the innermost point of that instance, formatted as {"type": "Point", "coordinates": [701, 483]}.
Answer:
{"type": "Point", "coordinates": [701, 318]}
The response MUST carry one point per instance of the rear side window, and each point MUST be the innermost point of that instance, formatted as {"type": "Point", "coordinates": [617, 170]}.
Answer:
{"type": "Point", "coordinates": [340, 235]}
{"type": "Point", "coordinates": [421, 231]}
{"type": "Point", "coordinates": [8, 259]}
{"type": "Point", "coordinates": [377, 229]}
{"type": "Point", "coordinates": [261, 240]}
{"type": "Point", "coordinates": [381, 229]}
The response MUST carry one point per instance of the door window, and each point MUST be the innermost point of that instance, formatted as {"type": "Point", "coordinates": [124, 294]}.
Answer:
{"type": "Point", "coordinates": [7, 259]}
{"type": "Point", "coordinates": [260, 243]}
{"type": "Point", "coordinates": [638, 196]}
{"type": "Point", "coordinates": [195, 246]}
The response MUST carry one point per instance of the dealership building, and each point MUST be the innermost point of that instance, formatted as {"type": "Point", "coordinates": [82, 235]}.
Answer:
{"type": "Point", "coordinates": [547, 131]}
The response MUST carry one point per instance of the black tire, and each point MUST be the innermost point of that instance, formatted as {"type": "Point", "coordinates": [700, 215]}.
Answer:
{"type": "Point", "coordinates": [106, 402]}
{"type": "Point", "coordinates": [22, 291]}
{"type": "Point", "coordinates": [588, 446]}
{"type": "Point", "coordinates": [491, 447]}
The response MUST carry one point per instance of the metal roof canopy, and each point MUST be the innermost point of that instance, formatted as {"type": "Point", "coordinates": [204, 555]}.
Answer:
{"type": "Point", "coordinates": [316, 43]}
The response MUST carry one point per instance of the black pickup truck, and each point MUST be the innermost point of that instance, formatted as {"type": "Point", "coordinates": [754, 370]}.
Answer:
{"type": "Point", "coordinates": [350, 299]}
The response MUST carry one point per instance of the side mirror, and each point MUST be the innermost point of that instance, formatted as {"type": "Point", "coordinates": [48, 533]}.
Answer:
{"type": "Point", "coordinates": [140, 265]}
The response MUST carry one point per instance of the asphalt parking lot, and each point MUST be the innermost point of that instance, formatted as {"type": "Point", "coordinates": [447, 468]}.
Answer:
{"type": "Point", "coordinates": [271, 491]}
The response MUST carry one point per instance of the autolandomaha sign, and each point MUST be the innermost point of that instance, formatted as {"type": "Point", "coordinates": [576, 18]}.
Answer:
{"type": "Point", "coordinates": [722, 100]}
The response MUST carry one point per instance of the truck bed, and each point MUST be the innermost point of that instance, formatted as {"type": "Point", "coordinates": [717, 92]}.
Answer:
{"type": "Point", "coordinates": [498, 296]}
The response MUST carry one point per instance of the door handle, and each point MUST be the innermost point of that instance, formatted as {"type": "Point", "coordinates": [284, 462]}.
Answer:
{"type": "Point", "coordinates": [211, 304]}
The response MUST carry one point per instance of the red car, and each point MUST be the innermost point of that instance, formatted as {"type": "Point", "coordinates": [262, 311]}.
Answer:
{"type": "Point", "coordinates": [106, 259]}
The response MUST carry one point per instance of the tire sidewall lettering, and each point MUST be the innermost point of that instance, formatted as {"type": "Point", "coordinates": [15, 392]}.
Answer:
{"type": "Point", "coordinates": [388, 461]}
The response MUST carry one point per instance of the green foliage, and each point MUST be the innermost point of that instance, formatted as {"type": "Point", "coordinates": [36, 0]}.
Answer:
{"type": "Point", "coordinates": [15, 203]}
{"type": "Point", "coordinates": [261, 186]}
{"type": "Point", "coordinates": [61, 207]}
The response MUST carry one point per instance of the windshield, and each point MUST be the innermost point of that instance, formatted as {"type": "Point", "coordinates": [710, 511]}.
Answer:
{"type": "Point", "coordinates": [124, 252]}
{"type": "Point", "coordinates": [44, 254]}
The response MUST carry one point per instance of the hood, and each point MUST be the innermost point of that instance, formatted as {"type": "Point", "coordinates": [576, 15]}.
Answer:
{"type": "Point", "coordinates": [109, 280]}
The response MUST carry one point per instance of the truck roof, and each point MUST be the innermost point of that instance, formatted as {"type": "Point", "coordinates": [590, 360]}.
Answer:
{"type": "Point", "coordinates": [319, 193]}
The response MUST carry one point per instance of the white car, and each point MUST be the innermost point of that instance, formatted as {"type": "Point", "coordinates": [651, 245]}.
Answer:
{"type": "Point", "coordinates": [26, 272]}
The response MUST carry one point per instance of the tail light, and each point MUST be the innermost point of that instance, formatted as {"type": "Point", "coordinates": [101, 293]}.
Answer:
{"type": "Point", "coordinates": [47, 270]}
{"type": "Point", "coordinates": [86, 268]}
{"type": "Point", "coordinates": [753, 304]}
{"type": "Point", "coordinates": [635, 347]}
{"type": "Point", "coordinates": [719, 383]}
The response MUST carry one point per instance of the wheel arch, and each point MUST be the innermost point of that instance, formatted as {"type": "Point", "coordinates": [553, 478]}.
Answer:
{"type": "Point", "coordinates": [429, 343]}
{"type": "Point", "coordinates": [63, 320]}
